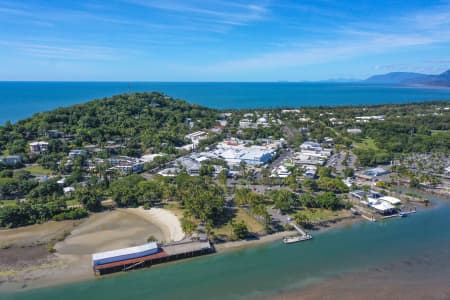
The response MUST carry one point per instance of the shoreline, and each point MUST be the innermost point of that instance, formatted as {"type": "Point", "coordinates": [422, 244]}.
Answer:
{"type": "Point", "coordinates": [71, 261]}
{"type": "Point", "coordinates": [64, 267]}
{"type": "Point", "coordinates": [59, 263]}
{"type": "Point", "coordinates": [278, 236]}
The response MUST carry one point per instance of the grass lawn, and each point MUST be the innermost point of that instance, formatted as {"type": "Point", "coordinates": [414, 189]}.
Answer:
{"type": "Point", "coordinates": [175, 209]}
{"type": "Point", "coordinates": [38, 170]}
{"type": "Point", "coordinates": [6, 203]}
{"type": "Point", "coordinates": [72, 202]}
{"type": "Point", "coordinates": [434, 132]}
{"type": "Point", "coordinates": [241, 215]}
{"type": "Point", "coordinates": [367, 144]}
{"type": "Point", "coordinates": [320, 214]}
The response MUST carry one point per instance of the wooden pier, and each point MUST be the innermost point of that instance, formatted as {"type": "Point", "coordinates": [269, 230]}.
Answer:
{"type": "Point", "coordinates": [168, 252]}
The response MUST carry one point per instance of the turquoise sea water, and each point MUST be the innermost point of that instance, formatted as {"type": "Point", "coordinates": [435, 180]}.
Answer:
{"type": "Point", "coordinates": [22, 99]}
{"type": "Point", "coordinates": [274, 268]}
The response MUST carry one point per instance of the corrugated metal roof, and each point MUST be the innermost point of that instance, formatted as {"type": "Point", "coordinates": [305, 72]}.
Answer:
{"type": "Point", "coordinates": [124, 251]}
{"type": "Point", "coordinates": [158, 255]}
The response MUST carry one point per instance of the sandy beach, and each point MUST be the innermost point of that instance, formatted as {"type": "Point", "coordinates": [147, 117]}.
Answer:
{"type": "Point", "coordinates": [165, 220]}
{"type": "Point", "coordinates": [26, 261]}
{"type": "Point", "coordinates": [31, 266]}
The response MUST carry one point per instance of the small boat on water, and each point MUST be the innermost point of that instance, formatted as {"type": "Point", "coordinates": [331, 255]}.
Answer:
{"type": "Point", "coordinates": [296, 239]}
{"type": "Point", "coordinates": [402, 214]}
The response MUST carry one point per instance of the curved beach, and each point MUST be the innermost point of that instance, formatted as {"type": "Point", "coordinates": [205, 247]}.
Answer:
{"type": "Point", "coordinates": [72, 258]}
{"type": "Point", "coordinates": [167, 221]}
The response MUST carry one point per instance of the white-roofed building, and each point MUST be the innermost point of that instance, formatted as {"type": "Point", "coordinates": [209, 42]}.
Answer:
{"type": "Point", "coordinates": [38, 147]}
{"type": "Point", "coordinates": [280, 172]}
{"type": "Point", "coordinates": [310, 171]}
{"type": "Point", "coordinates": [196, 137]}
{"type": "Point", "coordinates": [69, 190]}
{"type": "Point", "coordinates": [235, 152]}
{"type": "Point", "coordinates": [391, 200]}
{"type": "Point", "coordinates": [354, 131]}
{"type": "Point", "coordinates": [73, 154]}
{"type": "Point", "coordinates": [383, 207]}
{"type": "Point", "coordinates": [312, 146]}
{"type": "Point", "coordinates": [447, 171]}
{"type": "Point", "coordinates": [150, 157]}
{"type": "Point", "coordinates": [245, 123]}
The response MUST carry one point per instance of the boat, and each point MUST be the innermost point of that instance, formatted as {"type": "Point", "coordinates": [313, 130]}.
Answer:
{"type": "Point", "coordinates": [296, 239]}
{"type": "Point", "coordinates": [402, 214]}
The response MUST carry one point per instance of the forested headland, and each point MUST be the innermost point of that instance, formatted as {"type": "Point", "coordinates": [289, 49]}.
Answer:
{"type": "Point", "coordinates": [32, 190]}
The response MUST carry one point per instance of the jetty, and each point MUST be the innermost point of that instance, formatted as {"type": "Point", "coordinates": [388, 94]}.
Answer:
{"type": "Point", "coordinates": [299, 238]}
{"type": "Point", "coordinates": [371, 218]}
{"type": "Point", "coordinates": [129, 258]}
{"type": "Point", "coordinates": [300, 230]}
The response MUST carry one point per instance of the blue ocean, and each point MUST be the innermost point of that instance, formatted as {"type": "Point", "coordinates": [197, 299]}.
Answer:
{"type": "Point", "coordinates": [23, 99]}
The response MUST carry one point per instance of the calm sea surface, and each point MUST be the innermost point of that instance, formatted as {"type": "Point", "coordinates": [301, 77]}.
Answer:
{"type": "Point", "coordinates": [268, 270]}
{"type": "Point", "coordinates": [23, 99]}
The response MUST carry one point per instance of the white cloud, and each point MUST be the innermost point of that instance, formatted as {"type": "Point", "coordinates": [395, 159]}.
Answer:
{"type": "Point", "coordinates": [410, 31]}
{"type": "Point", "coordinates": [212, 11]}
{"type": "Point", "coordinates": [63, 51]}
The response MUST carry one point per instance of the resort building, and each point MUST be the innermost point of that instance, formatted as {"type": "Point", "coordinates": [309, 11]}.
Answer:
{"type": "Point", "coordinates": [311, 146]}
{"type": "Point", "coordinates": [447, 171]}
{"type": "Point", "coordinates": [280, 172]}
{"type": "Point", "coordinates": [126, 165]}
{"type": "Point", "coordinates": [69, 190]}
{"type": "Point", "coordinates": [366, 119]}
{"type": "Point", "coordinates": [310, 171]}
{"type": "Point", "coordinates": [150, 157]}
{"type": "Point", "coordinates": [196, 137]}
{"type": "Point", "coordinates": [245, 123]}
{"type": "Point", "coordinates": [10, 160]}
{"type": "Point", "coordinates": [169, 172]}
{"type": "Point", "coordinates": [354, 131]}
{"type": "Point", "coordinates": [305, 158]}
{"type": "Point", "coordinates": [235, 154]}
{"type": "Point", "coordinates": [73, 154]}
{"type": "Point", "coordinates": [191, 166]}
{"type": "Point", "coordinates": [262, 122]}
{"type": "Point", "coordinates": [38, 147]}
{"type": "Point", "coordinates": [375, 172]}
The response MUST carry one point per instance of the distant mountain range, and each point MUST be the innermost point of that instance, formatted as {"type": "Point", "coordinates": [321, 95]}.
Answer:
{"type": "Point", "coordinates": [408, 78]}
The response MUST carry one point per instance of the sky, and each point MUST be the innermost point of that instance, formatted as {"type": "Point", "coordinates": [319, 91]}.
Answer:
{"type": "Point", "coordinates": [218, 40]}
